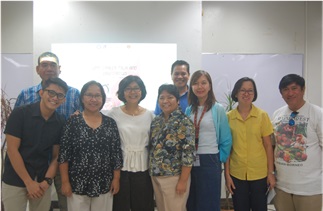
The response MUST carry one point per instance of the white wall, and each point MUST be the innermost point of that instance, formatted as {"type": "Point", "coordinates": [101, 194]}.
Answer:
{"type": "Point", "coordinates": [268, 27]}
{"type": "Point", "coordinates": [124, 22]}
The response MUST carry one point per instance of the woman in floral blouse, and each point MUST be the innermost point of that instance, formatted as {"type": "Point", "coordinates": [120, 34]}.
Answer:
{"type": "Point", "coordinates": [90, 155]}
{"type": "Point", "coordinates": [172, 152]}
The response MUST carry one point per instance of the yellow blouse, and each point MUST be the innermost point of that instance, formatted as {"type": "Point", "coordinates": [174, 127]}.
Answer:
{"type": "Point", "coordinates": [248, 159]}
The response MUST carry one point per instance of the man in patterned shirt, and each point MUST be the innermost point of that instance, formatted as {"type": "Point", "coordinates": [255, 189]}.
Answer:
{"type": "Point", "coordinates": [48, 67]}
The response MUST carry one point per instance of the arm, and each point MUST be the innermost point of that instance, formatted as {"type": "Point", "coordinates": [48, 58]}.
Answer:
{"type": "Point", "coordinates": [33, 187]}
{"type": "Point", "coordinates": [115, 185]}
{"type": "Point", "coordinates": [51, 172]}
{"type": "Point", "coordinates": [270, 161]}
{"type": "Point", "coordinates": [228, 180]}
{"type": "Point", "coordinates": [182, 182]}
{"type": "Point", "coordinates": [66, 185]}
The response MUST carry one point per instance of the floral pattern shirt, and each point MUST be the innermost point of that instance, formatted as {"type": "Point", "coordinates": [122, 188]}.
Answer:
{"type": "Point", "coordinates": [92, 155]}
{"type": "Point", "coordinates": [172, 144]}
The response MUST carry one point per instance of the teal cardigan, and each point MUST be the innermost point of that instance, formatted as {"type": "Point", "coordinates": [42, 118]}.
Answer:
{"type": "Point", "coordinates": [223, 132]}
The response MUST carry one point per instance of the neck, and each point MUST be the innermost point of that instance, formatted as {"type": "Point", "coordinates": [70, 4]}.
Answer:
{"type": "Point", "coordinates": [45, 112]}
{"type": "Point", "coordinates": [90, 114]}
{"type": "Point", "coordinates": [244, 108]}
{"type": "Point", "coordinates": [132, 109]}
{"type": "Point", "coordinates": [295, 108]}
{"type": "Point", "coordinates": [182, 90]}
{"type": "Point", "coordinates": [201, 101]}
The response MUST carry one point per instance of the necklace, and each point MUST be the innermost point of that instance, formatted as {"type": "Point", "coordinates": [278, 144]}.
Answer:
{"type": "Point", "coordinates": [135, 112]}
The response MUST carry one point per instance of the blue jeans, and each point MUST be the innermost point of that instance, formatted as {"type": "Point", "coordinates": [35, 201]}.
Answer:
{"type": "Point", "coordinates": [205, 190]}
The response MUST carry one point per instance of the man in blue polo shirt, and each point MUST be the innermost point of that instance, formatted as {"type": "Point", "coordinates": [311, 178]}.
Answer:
{"type": "Point", "coordinates": [48, 67]}
{"type": "Point", "coordinates": [180, 73]}
{"type": "Point", "coordinates": [33, 132]}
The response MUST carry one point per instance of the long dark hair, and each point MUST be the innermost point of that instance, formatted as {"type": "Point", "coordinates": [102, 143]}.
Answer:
{"type": "Point", "coordinates": [192, 98]}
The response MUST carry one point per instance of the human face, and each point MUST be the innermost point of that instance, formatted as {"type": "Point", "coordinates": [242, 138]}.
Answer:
{"type": "Point", "coordinates": [167, 102]}
{"type": "Point", "coordinates": [293, 95]}
{"type": "Point", "coordinates": [132, 93]}
{"type": "Point", "coordinates": [246, 93]}
{"type": "Point", "coordinates": [49, 101]}
{"type": "Point", "coordinates": [180, 76]}
{"type": "Point", "coordinates": [48, 68]}
{"type": "Point", "coordinates": [201, 88]}
{"type": "Point", "coordinates": [92, 99]}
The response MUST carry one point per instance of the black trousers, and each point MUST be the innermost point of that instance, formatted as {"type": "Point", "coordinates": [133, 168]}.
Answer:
{"type": "Point", "coordinates": [136, 192]}
{"type": "Point", "coordinates": [250, 195]}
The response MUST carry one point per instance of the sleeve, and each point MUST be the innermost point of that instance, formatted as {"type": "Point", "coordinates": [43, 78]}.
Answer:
{"type": "Point", "coordinates": [15, 123]}
{"type": "Point", "coordinates": [266, 126]}
{"type": "Point", "coordinates": [225, 137]}
{"type": "Point", "coordinates": [65, 148]}
{"type": "Point", "coordinates": [20, 100]}
{"type": "Point", "coordinates": [189, 151]}
{"type": "Point", "coordinates": [117, 161]}
{"type": "Point", "coordinates": [157, 109]}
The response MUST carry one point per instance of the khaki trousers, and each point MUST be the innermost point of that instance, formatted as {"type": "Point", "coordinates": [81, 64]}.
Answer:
{"type": "Point", "coordinates": [15, 199]}
{"type": "Point", "coordinates": [290, 202]}
{"type": "Point", "coordinates": [165, 193]}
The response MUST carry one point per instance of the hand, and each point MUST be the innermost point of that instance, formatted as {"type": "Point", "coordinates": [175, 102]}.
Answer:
{"type": "Point", "coordinates": [34, 190]}
{"type": "Point", "coordinates": [67, 189]}
{"type": "Point", "coordinates": [271, 180]}
{"type": "Point", "coordinates": [181, 187]}
{"type": "Point", "coordinates": [229, 184]}
{"type": "Point", "coordinates": [115, 186]}
{"type": "Point", "coordinates": [44, 186]}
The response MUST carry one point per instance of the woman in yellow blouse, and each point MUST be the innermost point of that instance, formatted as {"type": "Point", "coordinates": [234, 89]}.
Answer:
{"type": "Point", "coordinates": [249, 171]}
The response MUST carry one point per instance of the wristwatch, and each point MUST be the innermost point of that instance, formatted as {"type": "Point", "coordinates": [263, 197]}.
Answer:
{"type": "Point", "coordinates": [48, 180]}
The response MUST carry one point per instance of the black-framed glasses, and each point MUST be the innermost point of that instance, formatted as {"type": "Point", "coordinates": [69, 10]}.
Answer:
{"type": "Point", "coordinates": [52, 93]}
{"type": "Point", "coordinates": [91, 96]}
{"type": "Point", "coordinates": [292, 117]}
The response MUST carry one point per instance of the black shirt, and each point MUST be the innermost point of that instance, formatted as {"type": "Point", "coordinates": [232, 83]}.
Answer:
{"type": "Point", "coordinates": [37, 137]}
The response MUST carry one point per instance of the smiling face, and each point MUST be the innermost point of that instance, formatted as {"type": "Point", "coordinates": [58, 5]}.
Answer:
{"type": "Point", "coordinates": [132, 93]}
{"type": "Point", "coordinates": [201, 88]}
{"type": "Point", "coordinates": [51, 102]}
{"type": "Point", "coordinates": [92, 99]}
{"type": "Point", "coordinates": [180, 76]}
{"type": "Point", "coordinates": [48, 68]}
{"type": "Point", "coordinates": [293, 95]}
{"type": "Point", "coordinates": [167, 102]}
{"type": "Point", "coordinates": [245, 94]}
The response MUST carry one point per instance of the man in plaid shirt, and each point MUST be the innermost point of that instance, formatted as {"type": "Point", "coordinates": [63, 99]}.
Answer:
{"type": "Point", "coordinates": [48, 67]}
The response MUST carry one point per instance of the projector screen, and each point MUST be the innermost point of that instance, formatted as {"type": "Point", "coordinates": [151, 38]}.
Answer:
{"type": "Point", "coordinates": [109, 63]}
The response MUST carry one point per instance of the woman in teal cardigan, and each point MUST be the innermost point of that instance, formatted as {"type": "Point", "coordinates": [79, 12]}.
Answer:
{"type": "Point", "coordinates": [213, 142]}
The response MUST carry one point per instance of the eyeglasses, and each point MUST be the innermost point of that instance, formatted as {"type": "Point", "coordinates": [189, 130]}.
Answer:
{"type": "Point", "coordinates": [90, 96]}
{"type": "Point", "coordinates": [292, 117]}
{"type": "Point", "coordinates": [52, 93]}
{"type": "Point", "coordinates": [243, 91]}
{"type": "Point", "coordinates": [135, 89]}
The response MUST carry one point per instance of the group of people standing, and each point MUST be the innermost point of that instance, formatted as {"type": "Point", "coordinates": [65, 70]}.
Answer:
{"type": "Point", "coordinates": [130, 158]}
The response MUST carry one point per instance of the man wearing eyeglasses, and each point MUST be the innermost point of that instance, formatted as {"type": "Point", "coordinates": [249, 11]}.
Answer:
{"type": "Point", "coordinates": [33, 132]}
{"type": "Point", "coordinates": [298, 151]}
{"type": "Point", "coordinates": [48, 67]}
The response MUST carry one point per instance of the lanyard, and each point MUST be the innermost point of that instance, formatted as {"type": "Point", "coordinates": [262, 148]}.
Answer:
{"type": "Point", "coordinates": [197, 126]}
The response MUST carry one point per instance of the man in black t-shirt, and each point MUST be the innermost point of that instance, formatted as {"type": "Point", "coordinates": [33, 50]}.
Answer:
{"type": "Point", "coordinates": [33, 132]}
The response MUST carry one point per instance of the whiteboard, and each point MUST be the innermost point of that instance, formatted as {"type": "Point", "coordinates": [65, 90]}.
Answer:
{"type": "Point", "coordinates": [16, 73]}
{"type": "Point", "coordinates": [266, 69]}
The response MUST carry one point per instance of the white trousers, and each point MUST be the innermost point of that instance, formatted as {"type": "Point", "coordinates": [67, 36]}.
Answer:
{"type": "Point", "coordinates": [84, 203]}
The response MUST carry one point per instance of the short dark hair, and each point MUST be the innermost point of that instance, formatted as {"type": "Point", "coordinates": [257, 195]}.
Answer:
{"type": "Point", "coordinates": [86, 87]}
{"type": "Point", "coordinates": [179, 63]}
{"type": "Point", "coordinates": [124, 83]}
{"type": "Point", "coordinates": [47, 54]}
{"type": "Point", "coordinates": [238, 85]}
{"type": "Point", "coordinates": [170, 88]}
{"type": "Point", "coordinates": [289, 79]}
{"type": "Point", "coordinates": [59, 82]}
{"type": "Point", "coordinates": [192, 98]}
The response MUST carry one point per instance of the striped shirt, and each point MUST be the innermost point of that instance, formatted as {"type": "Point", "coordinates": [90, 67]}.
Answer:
{"type": "Point", "coordinates": [31, 95]}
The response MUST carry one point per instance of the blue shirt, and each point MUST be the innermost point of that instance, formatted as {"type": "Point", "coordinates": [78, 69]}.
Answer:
{"type": "Point", "coordinates": [183, 102]}
{"type": "Point", "coordinates": [31, 95]}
